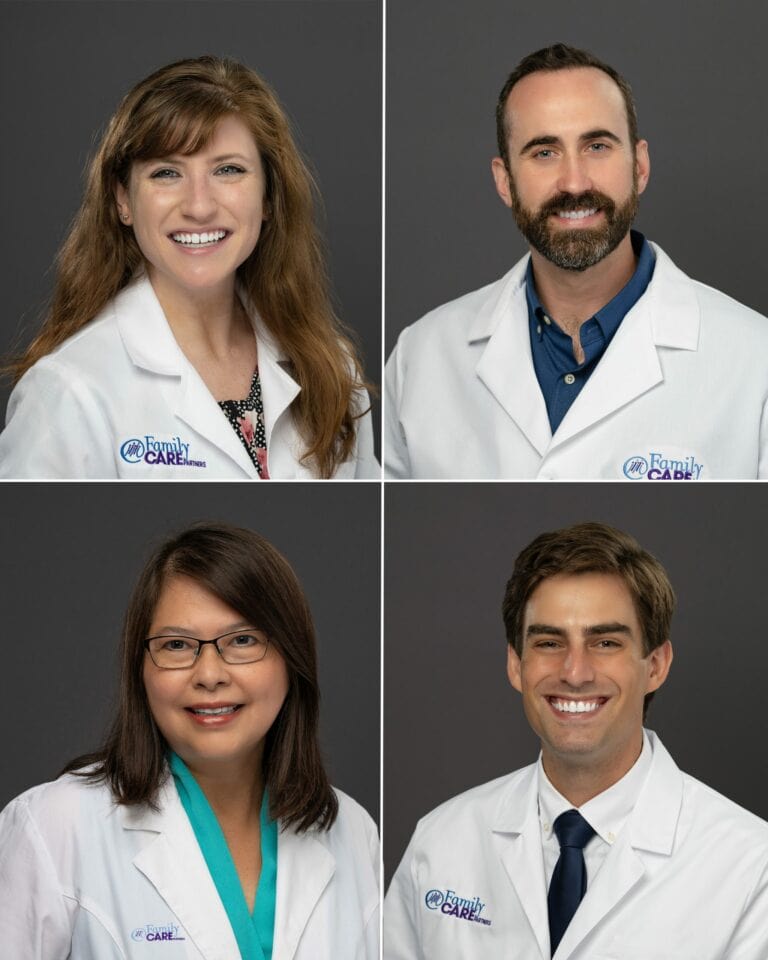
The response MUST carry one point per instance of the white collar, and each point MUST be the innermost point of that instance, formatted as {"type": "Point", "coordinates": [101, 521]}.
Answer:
{"type": "Point", "coordinates": [608, 811]}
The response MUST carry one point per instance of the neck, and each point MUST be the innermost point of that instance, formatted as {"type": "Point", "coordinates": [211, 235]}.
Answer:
{"type": "Point", "coordinates": [204, 323]}
{"type": "Point", "coordinates": [571, 297]}
{"type": "Point", "coordinates": [234, 790]}
{"type": "Point", "coordinates": [580, 782]}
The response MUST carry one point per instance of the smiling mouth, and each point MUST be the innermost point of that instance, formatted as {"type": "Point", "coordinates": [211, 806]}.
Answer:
{"type": "Point", "coordinates": [213, 711]}
{"type": "Point", "coordinates": [577, 214]}
{"type": "Point", "coordinates": [563, 705]}
{"type": "Point", "coordinates": [209, 239]}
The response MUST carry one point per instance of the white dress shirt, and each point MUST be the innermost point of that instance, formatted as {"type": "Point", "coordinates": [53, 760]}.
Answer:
{"type": "Point", "coordinates": [606, 813]}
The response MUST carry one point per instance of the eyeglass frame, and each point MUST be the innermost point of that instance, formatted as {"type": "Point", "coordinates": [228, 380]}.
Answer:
{"type": "Point", "coordinates": [202, 643]}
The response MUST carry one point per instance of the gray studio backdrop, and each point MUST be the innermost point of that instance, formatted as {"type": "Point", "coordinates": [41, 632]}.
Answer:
{"type": "Point", "coordinates": [698, 72]}
{"type": "Point", "coordinates": [452, 720]}
{"type": "Point", "coordinates": [64, 66]}
{"type": "Point", "coordinates": [71, 554]}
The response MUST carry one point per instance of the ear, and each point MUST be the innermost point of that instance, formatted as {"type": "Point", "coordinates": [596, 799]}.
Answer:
{"type": "Point", "coordinates": [501, 179]}
{"type": "Point", "coordinates": [642, 164]}
{"type": "Point", "coordinates": [514, 668]}
{"type": "Point", "coordinates": [123, 204]}
{"type": "Point", "coordinates": [659, 662]}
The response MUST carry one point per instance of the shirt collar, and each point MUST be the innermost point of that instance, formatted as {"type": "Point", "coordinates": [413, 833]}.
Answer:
{"type": "Point", "coordinates": [608, 317]}
{"type": "Point", "coordinates": [608, 811]}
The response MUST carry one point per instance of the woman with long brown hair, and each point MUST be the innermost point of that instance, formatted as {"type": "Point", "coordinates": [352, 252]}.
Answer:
{"type": "Point", "coordinates": [190, 333]}
{"type": "Point", "coordinates": [205, 828]}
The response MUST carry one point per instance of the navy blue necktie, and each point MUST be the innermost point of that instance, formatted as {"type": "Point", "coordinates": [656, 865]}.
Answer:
{"type": "Point", "coordinates": [569, 881]}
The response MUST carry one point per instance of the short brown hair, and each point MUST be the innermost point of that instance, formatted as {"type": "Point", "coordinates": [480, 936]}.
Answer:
{"type": "Point", "coordinates": [559, 56]}
{"type": "Point", "coordinates": [592, 548]}
{"type": "Point", "coordinates": [248, 574]}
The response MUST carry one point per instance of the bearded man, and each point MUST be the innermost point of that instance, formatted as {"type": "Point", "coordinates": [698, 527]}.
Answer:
{"type": "Point", "coordinates": [595, 356]}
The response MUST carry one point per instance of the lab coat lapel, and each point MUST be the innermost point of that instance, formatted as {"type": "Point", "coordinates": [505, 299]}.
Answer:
{"type": "Point", "coordinates": [667, 315]}
{"type": "Point", "coordinates": [506, 365]}
{"type": "Point", "coordinates": [150, 343]}
{"type": "Point", "coordinates": [174, 865]}
{"type": "Point", "coordinates": [517, 837]}
{"type": "Point", "coordinates": [651, 828]}
{"type": "Point", "coordinates": [194, 404]}
{"type": "Point", "coordinates": [304, 869]}
{"type": "Point", "coordinates": [278, 391]}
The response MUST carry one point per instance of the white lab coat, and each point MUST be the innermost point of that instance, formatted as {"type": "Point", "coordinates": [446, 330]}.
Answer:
{"type": "Point", "coordinates": [682, 387]}
{"type": "Point", "coordinates": [83, 878]}
{"type": "Point", "coordinates": [123, 384]}
{"type": "Point", "coordinates": [687, 879]}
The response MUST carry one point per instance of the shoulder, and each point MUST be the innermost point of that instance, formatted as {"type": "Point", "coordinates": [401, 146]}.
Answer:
{"type": "Point", "coordinates": [472, 810]}
{"type": "Point", "coordinates": [454, 322]}
{"type": "Point", "coordinates": [711, 812]}
{"type": "Point", "coordinates": [353, 822]}
{"type": "Point", "coordinates": [55, 811]}
{"type": "Point", "coordinates": [716, 308]}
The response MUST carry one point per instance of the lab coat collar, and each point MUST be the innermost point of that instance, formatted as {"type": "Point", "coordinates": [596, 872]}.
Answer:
{"type": "Point", "coordinates": [305, 867]}
{"type": "Point", "coordinates": [150, 344]}
{"type": "Point", "coordinates": [667, 315]}
{"type": "Point", "coordinates": [517, 839]}
{"type": "Point", "coordinates": [506, 365]}
{"type": "Point", "coordinates": [175, 866]}
{"type": "Point", "coordinates": [651, 829]}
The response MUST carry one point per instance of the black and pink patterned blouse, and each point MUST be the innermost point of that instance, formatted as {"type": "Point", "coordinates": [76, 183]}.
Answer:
{"type": "Point", "coordinates": [247, 419]}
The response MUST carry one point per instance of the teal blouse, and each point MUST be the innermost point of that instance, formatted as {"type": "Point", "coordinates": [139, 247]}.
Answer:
{"type": "Point", "coordinates": [254, 932]}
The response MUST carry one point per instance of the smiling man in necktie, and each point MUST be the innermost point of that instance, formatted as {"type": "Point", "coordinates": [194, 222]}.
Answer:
{"type": "Point", "coordinates": [602, 849]}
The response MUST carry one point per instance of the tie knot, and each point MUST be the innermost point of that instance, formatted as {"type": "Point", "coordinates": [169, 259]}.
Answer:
{"type": "Point", "coordinates": [573, 830]}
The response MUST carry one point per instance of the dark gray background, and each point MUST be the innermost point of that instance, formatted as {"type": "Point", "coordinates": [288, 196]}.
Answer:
{"type": "Point", "coordinates": [64, 66]}
{"type": "Point", "coordinates": [71, 554]}
{"type": "Point", "coordinates": [698, 71]}
{"type": "Point", "coordinates": [451, 719]}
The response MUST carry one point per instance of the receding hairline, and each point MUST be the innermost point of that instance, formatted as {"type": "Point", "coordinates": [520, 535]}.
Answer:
{"type": "Point", "coordinates": [565, 70]}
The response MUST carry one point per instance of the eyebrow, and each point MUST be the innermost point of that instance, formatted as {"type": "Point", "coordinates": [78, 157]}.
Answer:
{"type": "Point", "coordinates": [181, 157]}
{"type": "Point", "coordinates": [173, 630]}
{"type": "Point", "coordinates": [548, 141]}
{"type": "Point", "coordinates": [596, 630]}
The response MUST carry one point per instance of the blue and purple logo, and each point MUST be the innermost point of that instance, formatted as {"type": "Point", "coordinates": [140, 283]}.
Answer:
{"type": "Point", "coordinates": [451, 904]}
{"type": "Point", "coordinates": [147, 449]}
{"type": "Point", "coordinates": [156, 933]}
{"type": "Point", "coordinates": [655, 466]}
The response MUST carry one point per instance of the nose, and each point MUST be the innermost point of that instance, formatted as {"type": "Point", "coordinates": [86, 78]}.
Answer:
{"type": "Point", "coordinates": [210, 671]}
{"type": "Point", "coordinates": [198, 198]}
{"type": "Point", "coordinates": [576, 667]}
{"type": "Point", "coordinates": [574, 174]}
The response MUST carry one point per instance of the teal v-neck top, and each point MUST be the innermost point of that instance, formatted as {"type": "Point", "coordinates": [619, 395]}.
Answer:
{"type": "Point", "coordinates": [255, 931]}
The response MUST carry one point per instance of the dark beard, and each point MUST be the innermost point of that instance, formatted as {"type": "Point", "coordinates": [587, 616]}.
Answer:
{"type": "Point", "coordinates": [575, 249]}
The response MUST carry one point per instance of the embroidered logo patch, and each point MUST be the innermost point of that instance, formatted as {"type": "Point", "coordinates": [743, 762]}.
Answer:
{"type": "Point", "coordinates": [148, 449]}
{"type": "Point", "coordinates": [657, 465]}
{"type": "Point", "coordinates": [156, 933]}
{"type": "Point", "coordinates": [451, 904]}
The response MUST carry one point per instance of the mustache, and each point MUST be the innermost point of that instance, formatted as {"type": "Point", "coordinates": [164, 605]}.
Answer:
{"type": "Point", "coordinates": [566, 202]}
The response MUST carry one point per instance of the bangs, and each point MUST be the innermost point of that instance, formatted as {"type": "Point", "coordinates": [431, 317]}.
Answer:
{"type": "Point", "coordinates": [175, 131]}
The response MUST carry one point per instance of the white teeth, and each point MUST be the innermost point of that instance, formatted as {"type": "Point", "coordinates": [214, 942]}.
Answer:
{"type": "Point", "coordinates": [576, 214]}
{"type": "Point", "coordinates": [215, 711]}
{"type": "Point", "coordinates": [198, 239]}
{"type": "Point", "coordinates": [575, 706]}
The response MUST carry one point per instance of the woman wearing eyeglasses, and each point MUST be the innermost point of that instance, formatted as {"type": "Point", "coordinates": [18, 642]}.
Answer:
{"type": "Point", "coordinates": [205, 827]}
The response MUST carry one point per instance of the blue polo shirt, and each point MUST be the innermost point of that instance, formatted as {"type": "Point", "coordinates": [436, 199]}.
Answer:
{"type": "Point", "coordinates": [562, 379]}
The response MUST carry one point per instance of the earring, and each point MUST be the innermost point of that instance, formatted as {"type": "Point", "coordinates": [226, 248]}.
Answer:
{"type": "Point", "coordinates": [123, 216]}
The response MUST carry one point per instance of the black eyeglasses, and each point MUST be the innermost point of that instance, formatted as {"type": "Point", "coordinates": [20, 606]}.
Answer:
{"type": "Point", "coordinates": [171, 652]}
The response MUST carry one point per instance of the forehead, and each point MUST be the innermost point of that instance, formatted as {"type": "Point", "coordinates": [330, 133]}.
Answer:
{"type": "Point", "coordinates": [575, 601]}
{"type": "Point", "coordinates": [187, 602]}
{"type": "Point", "coordinates": [565, 103]}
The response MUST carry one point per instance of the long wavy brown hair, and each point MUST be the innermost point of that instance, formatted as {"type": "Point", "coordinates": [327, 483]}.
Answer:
{"type": "Point", "coordinates": [247, 573]}
{"type": "Point", "coordinates": [175, 110]}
